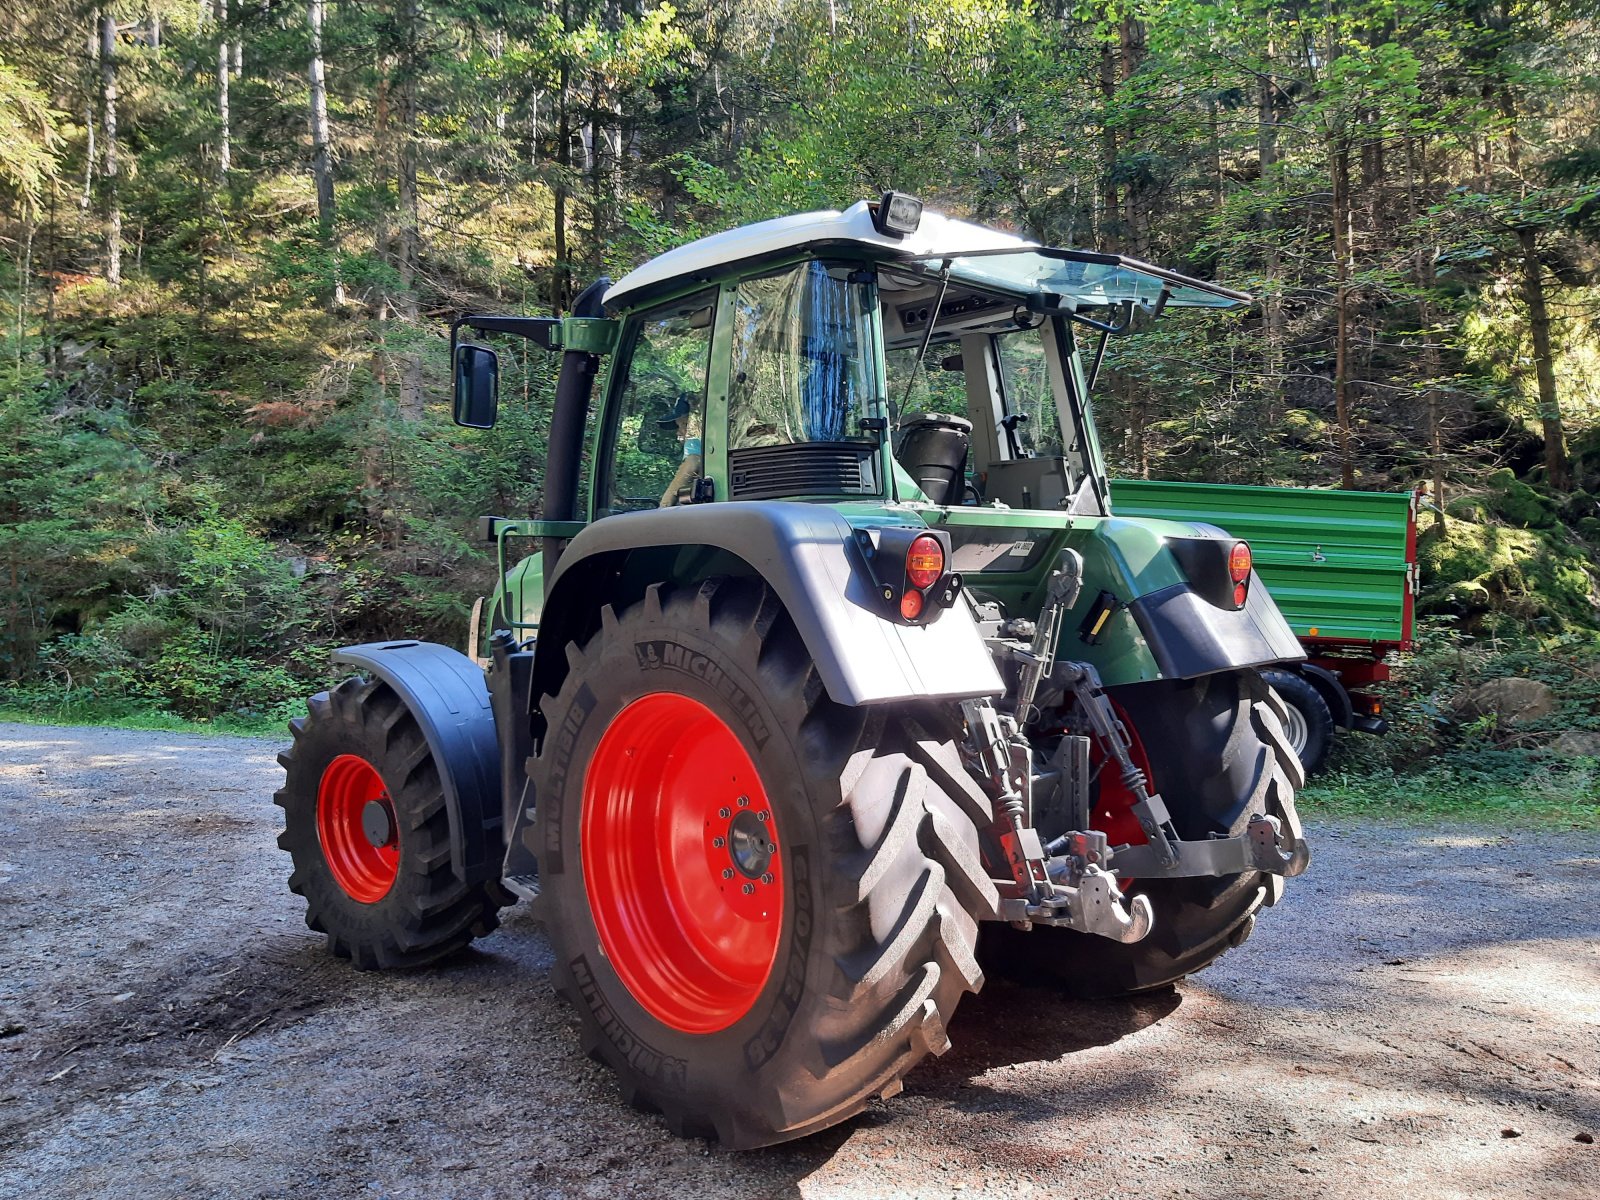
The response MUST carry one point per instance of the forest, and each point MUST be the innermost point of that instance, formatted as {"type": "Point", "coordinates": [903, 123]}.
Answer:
{"type": "Point", "coordinates": [232, 238]}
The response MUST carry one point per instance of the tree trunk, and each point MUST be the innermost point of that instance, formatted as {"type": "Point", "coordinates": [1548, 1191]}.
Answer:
{"type": "Point", "coordinates": [412, 401]}
{"type": "Point", "coordinates": [89, 122]}
{"type": "Point", "coordinates": [110, 202]}
{"type": "Point", "coordinates": [406, 179]}
{"type": "Point", "coordinates": [1342, 257]}
{"type": "Point", "coordinates": [1426, 276]}
{"type": "Point", "coordinates": [1271, 267]}
{"type": "Point", "coordinates": [224, 119]}
{"type": "Point", "coordinates": [1557, 468]}
{"type": "Point", "coordinates": [321, 149]}
{"type": "Point", "coordinates": [1109, 204]}
{"type": "Point", "coordinates": [382, 151]}
{"type": "Point", "coordinates": [1136, 198]}
{"type": "Point", "coordinates": [560, 283]}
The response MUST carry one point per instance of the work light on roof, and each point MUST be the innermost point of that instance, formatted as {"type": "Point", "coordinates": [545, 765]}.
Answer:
{"type": "Point", "coordinates": [897, 214]}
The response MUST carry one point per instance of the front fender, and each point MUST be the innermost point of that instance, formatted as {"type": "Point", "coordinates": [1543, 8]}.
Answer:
{"type": "Point", "coordinates": [808, 555]}
{"type": "Point", "coordinates": [445, 691]}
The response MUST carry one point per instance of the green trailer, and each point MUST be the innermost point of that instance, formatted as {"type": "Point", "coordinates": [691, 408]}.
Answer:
{"type": "Point", "coordinates": [1342, 566]}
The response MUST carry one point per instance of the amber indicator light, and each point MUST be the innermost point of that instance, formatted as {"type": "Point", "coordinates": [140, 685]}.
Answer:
{"type": "Point", "coordinates": [1239, 562]}
{"type": "Point", "coordinates": [924, 565]}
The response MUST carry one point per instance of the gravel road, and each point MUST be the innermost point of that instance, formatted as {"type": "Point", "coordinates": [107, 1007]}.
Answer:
{"type": "Point", "coordinates": [1421, 1015]}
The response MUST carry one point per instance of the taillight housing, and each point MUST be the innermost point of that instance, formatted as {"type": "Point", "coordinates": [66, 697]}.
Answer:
{"type": "Point", "coordinates": [1219, 569]}
{"type": "Point", "coordinates": [910, 571]}
{"type": "Point", "coordinates": [1240, 561]}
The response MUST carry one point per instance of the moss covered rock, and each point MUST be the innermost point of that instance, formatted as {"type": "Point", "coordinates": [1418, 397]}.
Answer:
{"type": "Point", "coordinates": [1515, 503]}
{"type": "Point", "coordinates": [1474, 569]}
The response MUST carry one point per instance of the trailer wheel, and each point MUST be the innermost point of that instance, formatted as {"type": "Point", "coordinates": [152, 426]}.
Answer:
{"type": "Point", "coordinates": [1214, 748]}
{"type": "Point", "coordinates": [761, 904]}
{"type": "Point", "coordinates": [366, 828]}
{"type": "Point", "coordinates": [1307, 722]}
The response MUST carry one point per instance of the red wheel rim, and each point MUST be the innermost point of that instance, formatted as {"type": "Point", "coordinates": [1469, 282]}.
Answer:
{"type": "Point", "coordinates": [1113, 809]}
{"type": "Point", "coordinates": [361, 845]}
{"type": "Point", "coordinates": [681, 863]}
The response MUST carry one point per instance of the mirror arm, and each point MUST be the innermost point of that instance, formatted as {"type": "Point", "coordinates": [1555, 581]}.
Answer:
{"type": "Point", "coordinates": [539, 330]}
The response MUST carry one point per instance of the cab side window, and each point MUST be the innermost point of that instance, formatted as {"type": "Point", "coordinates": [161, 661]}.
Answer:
{"type": "Point", "coordinates": [656, 442]}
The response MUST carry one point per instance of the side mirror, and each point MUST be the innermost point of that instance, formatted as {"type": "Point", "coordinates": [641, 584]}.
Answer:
{"type": "Point", "coordinates": [477, 394]}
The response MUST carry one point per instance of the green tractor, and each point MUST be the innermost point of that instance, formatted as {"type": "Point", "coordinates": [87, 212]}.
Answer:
{"type": "Point", "coordinates": [832, 653]}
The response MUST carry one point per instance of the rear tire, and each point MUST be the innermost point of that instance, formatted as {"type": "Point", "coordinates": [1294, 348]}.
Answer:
{"type": "Point", "coordinates": [1308, 723]}
{"type": "Point", "coordinates": [855, 950]}
{"type": "Point", "coordinates": [359, 761]}
{"type": "Point", "coordinates": [1215, 750]}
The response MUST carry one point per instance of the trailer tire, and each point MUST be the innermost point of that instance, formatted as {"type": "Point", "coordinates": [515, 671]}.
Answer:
{"type": "Point", "coordinates": [360, 756]}
{"type": "Point", "coordinates": [1214, 748]}
{"type": "Point", "coordinates": [1308, 723]}
{"type": "Point", "coordinates": [762, 904]}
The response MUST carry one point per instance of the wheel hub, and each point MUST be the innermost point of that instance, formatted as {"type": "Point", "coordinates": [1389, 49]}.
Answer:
{"type": "Point", "coordinates": [377, 822]}
{"type": "Point", "coordinates": [749, 844]}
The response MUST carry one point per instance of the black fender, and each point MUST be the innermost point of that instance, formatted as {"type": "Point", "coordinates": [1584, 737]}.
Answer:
{"type": "Point", "coordinates": [1189, 635]}
{"type": "Point", "coordinates": [446, 693]}
{"type": "Point", "coordinates": [808, 555]}
{"type": "Point", "coordinates": [1333, 691]}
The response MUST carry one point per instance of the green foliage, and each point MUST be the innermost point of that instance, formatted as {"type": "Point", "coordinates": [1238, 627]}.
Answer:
{"type": "Point", "coordinates": [1437, 762]}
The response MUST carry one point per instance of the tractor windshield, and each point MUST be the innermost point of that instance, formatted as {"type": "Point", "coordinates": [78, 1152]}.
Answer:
{"type": "Point", "coordinates": [802, 359]}
{"type": "Point", "coordinates": [1081, 278]}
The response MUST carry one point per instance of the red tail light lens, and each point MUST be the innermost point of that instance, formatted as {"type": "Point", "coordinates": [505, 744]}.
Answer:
{"type": "Point", "coordinates": [1239, 563]}
{"type": "Point", "coordinates": [911, 605]}
{"type": "Point", "coordinates": [1241, 593]}
{"type": "Point", "coordinates": [924, 563]}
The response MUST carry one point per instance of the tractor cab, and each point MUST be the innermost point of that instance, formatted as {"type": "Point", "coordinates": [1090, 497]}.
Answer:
{"type": "Point", "coordinates": [880, 353]}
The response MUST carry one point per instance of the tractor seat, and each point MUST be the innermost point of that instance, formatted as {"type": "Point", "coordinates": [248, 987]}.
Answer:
{"type": "Point", "coordinates": [933, 449]}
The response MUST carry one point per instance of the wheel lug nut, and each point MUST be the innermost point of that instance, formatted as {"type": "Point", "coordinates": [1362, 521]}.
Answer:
{"type": "Point", "coordinates": [724, 813]}
{"type": "Point", "coordinates": [767, 878]}
{"type": "Point", "coordinates": [719, 843]}
{"type": "Point", "coordinates": [744, 801]}
{"type": "Point", "coordinates": [727, 872]}
{"type": "Point", "coordinates": [762, 816]}
{"type": "Point", "coordinates": [748, 888]}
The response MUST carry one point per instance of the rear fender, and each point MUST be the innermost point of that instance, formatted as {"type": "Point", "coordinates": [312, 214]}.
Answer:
{"type": "Point", "coordinates": [1161, 623]}
{"type": "Point", "coordinates": [445, 692]}
{"type": "Point", "coordinates": [807, 554]}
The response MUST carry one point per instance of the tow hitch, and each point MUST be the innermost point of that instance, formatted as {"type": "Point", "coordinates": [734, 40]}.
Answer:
{"type": "Point", "coordinates": [1074, 881]}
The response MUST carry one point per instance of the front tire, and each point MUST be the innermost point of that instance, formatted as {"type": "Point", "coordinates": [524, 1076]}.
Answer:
{"type": "Point", "coordinates": [763, 905]}
{"type": "Point", "coordinates": [366, 826]}
{"type": "Point", "coordinates": [1214, 748]}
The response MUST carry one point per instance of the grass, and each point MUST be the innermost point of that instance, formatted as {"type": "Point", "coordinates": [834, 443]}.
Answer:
{"type": "Point", "coordinates": [1551, 797]}
{"type": "Point", "coordinates": [157, 722]}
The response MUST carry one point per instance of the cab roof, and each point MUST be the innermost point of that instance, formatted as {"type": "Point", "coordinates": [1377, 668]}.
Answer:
{"type": "Point", "coordinates": [972, 253]}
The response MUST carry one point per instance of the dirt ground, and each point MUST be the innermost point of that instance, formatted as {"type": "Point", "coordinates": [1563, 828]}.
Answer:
{"type": "Point", "coordinates": [1420, 1016]}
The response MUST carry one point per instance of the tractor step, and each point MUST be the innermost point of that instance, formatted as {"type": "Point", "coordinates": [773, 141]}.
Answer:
{"type": "Point", "coordinates": [526, 886]}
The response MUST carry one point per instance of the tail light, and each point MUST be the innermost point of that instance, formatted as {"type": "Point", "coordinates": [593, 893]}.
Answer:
{"type": "Point", "coordinates": [910, 571]}
{"type": "Point", "coordinates": [1240, 561]}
